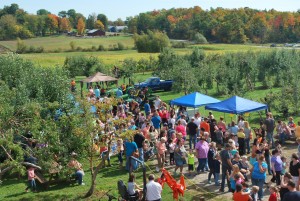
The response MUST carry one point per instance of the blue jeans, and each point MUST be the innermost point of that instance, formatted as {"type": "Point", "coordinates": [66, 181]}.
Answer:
{"type": "Point", "coordinates": [270, 138]}
{"type": "Point", "coordinates": [216, 177]}
{"type": "Point", "coordinates": [260, 184]}
{"type": "Point", "coordinates": [193, 139]}
{"type": "Point", "coordinates": [201, 164]}
{"type": "Point", "coordinates": [79, 176]}
{"type": "Point", "coordinates": [141, 153]}
{"type": "Point", "coordinates": [131, 164]}
{"type": "Point", "coordinates": [103, 154]}
{"type": "Point", "coordinates": [31, 184]}
{"type": "Point", "coordinates": [282, 137]}
{"type": "Point", "coordinates": [120, 156]}
{"type": "Point", "coordinates": [224, 170]}
{"type": "Point", "coordinates": [247, 145]}
{"type": "Point", "coordinates": [267, 158]}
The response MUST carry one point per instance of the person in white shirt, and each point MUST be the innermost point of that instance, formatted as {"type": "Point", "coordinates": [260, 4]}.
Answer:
{"type": "Point", "coordinates": [157, 103]}
{"type": "Point", "coordinates": [153, 189]}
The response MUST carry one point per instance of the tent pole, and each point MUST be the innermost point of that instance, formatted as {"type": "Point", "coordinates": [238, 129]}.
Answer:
{"type": "Point", "coordinates": [194, 111]}
{"type": "Point", "coordinates": [81, 86]}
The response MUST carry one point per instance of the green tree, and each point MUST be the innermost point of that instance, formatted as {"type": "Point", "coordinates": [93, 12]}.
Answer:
{"type": "Point", "coordinates": [103, 19]}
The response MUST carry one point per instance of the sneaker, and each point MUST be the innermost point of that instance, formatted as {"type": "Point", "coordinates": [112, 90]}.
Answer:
{"type": "Point", "coordinates": [175, 174]}
{"type": "Point", "coordinates": [157, 169]}
{"type": "Point", "coordinates": [221, 190]}
{"type": "Point", "coordinates": [209, 182]}
{"type": "Point", "coordinates": [82, 184]}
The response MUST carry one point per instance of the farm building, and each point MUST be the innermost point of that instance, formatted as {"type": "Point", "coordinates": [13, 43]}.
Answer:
{"type": "Point", "coordinates": [96, 32]}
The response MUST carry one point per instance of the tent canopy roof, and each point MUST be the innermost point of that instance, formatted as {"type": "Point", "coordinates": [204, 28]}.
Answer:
{"type": "Point", "coordinates": [236, 105]}
{"type": "Point", "coordinates": [99, 77]}
{"type": "Point", "coordinates": [194, 100]}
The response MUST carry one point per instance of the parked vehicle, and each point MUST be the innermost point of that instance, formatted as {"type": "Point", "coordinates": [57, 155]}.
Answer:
{"type": "Point", "coordinates": [156, 84]}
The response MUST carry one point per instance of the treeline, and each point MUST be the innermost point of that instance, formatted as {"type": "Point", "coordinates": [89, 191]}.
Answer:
{"type": "Point", "coordinates": [15, 22]}
{"type": "Point", "coordinates": [221, 25]}
{"type": "Point", "coordinates": [236, 73]}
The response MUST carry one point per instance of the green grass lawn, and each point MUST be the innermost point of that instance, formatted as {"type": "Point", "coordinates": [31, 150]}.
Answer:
{"type": "Point", "coordinates": [63, 42]}
{"type": "Point", "coordinates": [14, 189]}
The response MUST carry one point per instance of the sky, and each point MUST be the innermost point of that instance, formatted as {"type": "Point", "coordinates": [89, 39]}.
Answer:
{"type": "Point", "coordinates": [114, 9]}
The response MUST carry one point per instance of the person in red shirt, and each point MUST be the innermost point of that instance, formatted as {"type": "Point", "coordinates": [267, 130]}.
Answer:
{"type": "Point", "coordinates": [238, 195]}
{"type": "Point", "coordinates": [273, 193]}
{"type": "Point", "coordinates": [205, 125]}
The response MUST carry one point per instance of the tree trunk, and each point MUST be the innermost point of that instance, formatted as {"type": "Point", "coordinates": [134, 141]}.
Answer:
{"type": "Point", "coordinates": [95, 173]}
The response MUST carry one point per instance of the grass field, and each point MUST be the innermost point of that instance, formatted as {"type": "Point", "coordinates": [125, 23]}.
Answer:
{"type": "Point", "coordinates": [63, 42]}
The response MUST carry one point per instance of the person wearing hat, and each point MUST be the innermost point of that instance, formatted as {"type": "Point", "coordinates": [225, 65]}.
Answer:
{"type": "Point", "coordinates": [192, 130]}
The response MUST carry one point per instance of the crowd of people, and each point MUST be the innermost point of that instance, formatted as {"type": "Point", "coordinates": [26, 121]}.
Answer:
{"type": "Point", "coordinates": [236, 152]}
{"type": "Point", "coordinates": [232, 153]}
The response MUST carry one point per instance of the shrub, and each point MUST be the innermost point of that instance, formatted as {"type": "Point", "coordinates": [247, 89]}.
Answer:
{"type": "Point", "coordinates": [179, 44]}
{"type": "Point", "coordinates": [101, 48]}
{"type": "Point", "coordinates": [151, 42]}
{"type": "Point", "coordinates": [21, 47]}
{"type": "Point", "coordinates": [121, 46]}
{"type": "Point", "coordinates": [72, 45]}
{"type": "Point", "coordinates": [199, 39]}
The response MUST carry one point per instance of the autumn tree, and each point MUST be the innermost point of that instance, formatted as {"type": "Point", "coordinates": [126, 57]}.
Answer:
{"type": "Point", "coordinates": [52, 22]}
{"type": "Point", "coordinates": [103, 19]}
{"type": "Point", "coordinates": [65, 25]}
{"type": "Point", "coordinates": [80, 26]}
{"type": "Point", "coordinates": [99, 25]}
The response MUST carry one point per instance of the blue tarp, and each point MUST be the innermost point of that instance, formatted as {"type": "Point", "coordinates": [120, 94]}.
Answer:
{"type": "Point", "coordinates": [236, 105]}
{"type": "Point", "coordinates": [194, 100]}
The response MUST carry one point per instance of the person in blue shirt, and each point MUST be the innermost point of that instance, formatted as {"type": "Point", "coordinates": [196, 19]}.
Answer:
{"type": "Point", "coordinates": [131, 150]}
{"type": "Point", "coordinates": [97, 91]}
{"type": "Point", "coordinates": [259, 175]}
{"type": "Point", "coordinates": [156, 120]}
{"type": "Point", "coordinates": [119, 93]}
{"type": "Point", "coordinates": [132, 126]}
{"type": "Point", "coordinates": [147, 108]}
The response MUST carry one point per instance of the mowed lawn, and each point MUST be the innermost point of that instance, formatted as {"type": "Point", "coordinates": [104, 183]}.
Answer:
{"type": "Point", "coordinates": [62, 42]}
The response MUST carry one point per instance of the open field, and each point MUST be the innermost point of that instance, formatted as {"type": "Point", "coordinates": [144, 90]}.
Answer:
{"type": "Point", "coordinates": [63, 42]}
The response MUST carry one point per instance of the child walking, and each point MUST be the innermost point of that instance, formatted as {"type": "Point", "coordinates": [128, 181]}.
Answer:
{"type": "Point", "coordinates": [31, 180]}
{"type": "Point", "coordinates": [120, 148]}
{"type": "Point", "coordinates": [172, 146]}
{"type": "Point", "coordinates": [191, 161]}
{"type": "Point", "coordinates": [217, 167]}
{"type": "Point", "coordinates": [273, 193]}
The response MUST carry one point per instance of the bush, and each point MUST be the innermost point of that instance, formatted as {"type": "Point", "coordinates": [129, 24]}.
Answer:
{"type": "Point", "coordinates": [101, 48]}
{"type": "Point", "coordinates": [121, 46]}
{"type": "Point", "coordinates": [199, 39]}
{"type": "Point", "coordinates": [151, 42]}
{"type": "Point", "coordinates": [72, 45]}
{"type": "Point", "coordinates": [21, 47]}
{"type": "Point", "coordinates": [179, 44]}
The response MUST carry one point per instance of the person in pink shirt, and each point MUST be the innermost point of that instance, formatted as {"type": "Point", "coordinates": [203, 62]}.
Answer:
{"type": "Point", "coordinates": [145, 131]}
{"type": "Point", "coordinates": [161, 149]}
{"type": "Point", "coordinates": [31, 180]}
{"type": "Point", "coordinates": [202, 148]}
{"type": "Point", "coordinates": [181, 129]}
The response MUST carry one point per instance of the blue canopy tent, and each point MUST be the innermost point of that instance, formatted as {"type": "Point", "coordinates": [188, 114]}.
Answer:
{"type": "Point", "coordinates": [194, 100]}
{"type": "Point", "coordinates": [236, 105]}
